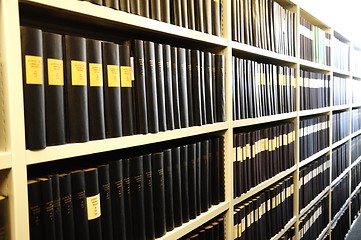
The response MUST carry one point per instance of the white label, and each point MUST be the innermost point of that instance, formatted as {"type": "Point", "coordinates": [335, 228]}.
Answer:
{"type": "Point", "coordinates": [93, 206]}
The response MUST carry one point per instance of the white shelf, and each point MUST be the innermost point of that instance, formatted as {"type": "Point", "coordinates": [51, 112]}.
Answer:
{"type": "Point", "coordinates": [80, 149]}
{"type": "Point", "coordinates": [355, 162]}
{"type": "Point", "coordinates": [324, 231]}
{"type": "Point", "coordinates": [314, 201]}
{"type": "Point", "coordinates": [355, 191]}
{"type": "Point", "coordinates": [304, 113]}
{"type": "Point", "coordinates": [337, 180]}
{"type": "Point", "coordinates": [341, 107]}
{"type": "Point", "coordinates": [314, 66]}
{"type": "Point", "coordinates": [185, 228]}
{"type": "Point", "coordinates": [339, 143]}
{"type": "Point", "coordinates": [314, 157]}
{"type": "Point", "coordinates": [339, 213]}
{"type": "Point", "coordinates": [5, 160]}
{"type": "Point", "coordinates": [341, 72]}
{"type": "Point", "coordinates": [263, 185]}
{"type": "Point", "coordinates": [285, 229]}
{"type": "Point", "coordinates": [356, 105]}
{"type": "Point", "coordinates": [355, 134]}
{"type": "Point", "coordinates": [265, 119]}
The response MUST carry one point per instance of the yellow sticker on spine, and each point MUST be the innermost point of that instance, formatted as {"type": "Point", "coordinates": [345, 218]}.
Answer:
{"type": "Point", "coordinates": [55, 72]}
{"type": "Point", "coordinates": [95, 75]}
{"type": "Point", "coordinates": [126, 76]}
{"type": "Point", "coordinates": [93, 207]}
{"type": "Point", "coordinates": [113, 76]}
{"type": "Point", "coordinates": [33, 69]}
{"type": "Point", "coordinates": [78, 73]}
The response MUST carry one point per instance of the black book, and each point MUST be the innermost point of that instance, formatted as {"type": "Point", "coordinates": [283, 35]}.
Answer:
{"type": "Point", "coordinates": [115, 4]}
{"type": "Point", "coordinates": [208, 87]}
{"type": "Point", "coordinates": [112, 99]}
{"type": "Point", "coordinates": [79, 204]}
{"type": "Point", "coordinates": [124, 5]}
{"type": "Point", "coordinates": [177, 186]}
{"type": "Point", "coordinates": [105, 201]}
{"type": "Point", "coordinates": [140, 88]}
{"type": "Point", "coordinates": [192, 180]}
{"type": "Point", "coordinates": [168, 86]}
{"type": "Point", "coordinates": [144, 8]}
{"type": "Point", "coordinates": [92, 194]}
{"type": "Point", "coordinates": [214, 90]}
{"type": "Point", "coordinates": [155, 9]}
{"type": "Point", "coordinates": [158, 194]}
{"type": "Point", "coordinates": [135, 6]}
{"type": "Point", "coordinates": [161, 97]}
{"type": "Point", "coordinates": [184, 13]}
{"type": "Point", "coordinates": [54, 88]}
{"type": "Point", "coordinates": [191, 15]}
{"type": "Point", "coordinates": [216, 163]}
{"type": "Point", "coordinates": [127, 199]}
{"type": "Point", "coordinates": [198, 176]}
{"type": "Point", "coordinates": [165, 11]}
{"type": "Point", "coordinates": [76, 100]}
{"type": "Point", "coordinates": [176, 12]}
{"type": "Point", "coordinates": [175, 86]}
{"type": "Point", "coordinates": [33, 83]}
{"type": "Point", "coordinates": [168, 189]}
{"type": "Point", "coordinates": [207, 17]}
{"type": "Point", "coordinates": [198, 9]}
{"type": "Point", "coordinates": [35, 210]}
{"type": "Point", "coordinates": [196, 88]}
{"type": "Point", "coordinates": [221, 170]}
{"type": "Point", "coordinates": [4, 209]}
{"type": "Point", "coordinates": [95, 89]}
{"type": "Point", "coordinates": [117, 199]}
{"type": "Point", "coordinates": [67, 212]}
{"type": "Point", "coordinates": [189, 86]}
{"type": "Point", "coordinates": [48, 221]}
{"type": "Point", "coordinates": [126, 90]}
{"type": "Point", "coordinates": [184, 182]}
{"type": "Point", "coordinates": [221, 87]}
{"type": "Point", "coordinates": [182, 87]}
{"type": "Point", "coordinates": [57, 206]}
{"type": "Point", "coordinates": [204, 175]}
{"type": "Point", "coordinates": [216, 17]}
{"type": "Point", "coordinates": [203, 89]}
{"type": "Point", "coordinates": [137, 182]}
{"type": "Point", "coordinates": [148, 197]}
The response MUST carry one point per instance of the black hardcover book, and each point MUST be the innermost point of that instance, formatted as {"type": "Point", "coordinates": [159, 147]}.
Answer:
{"type": "Point", "coordinates": [182, 87]}
{"type": "Point", "coordinates": [198, 176]}
{"type": "Point", "coordinates": [33, 83]}
{"type": "Point", "coordinates": [204, 175]}
{"type": "Point", "coordinates": [161, 99]}
{"type": "Point", "coordinates": [57, 206]}
{"type": "Point", "coordinates": [203, 88]}
{"type": "Point", "coordinates": [158, 194]}
{"type": "Point", "coordinates": [115, 4]}
{"type": "Point", "coordinates": [54, 88]}
{"type": "Point", "coordinates": [48, 221]}
{"type": "Point", "coordinates": [144, 8]}
{"type": "Point", "coordinates": [196, 87]}
{"type": "Point", "coordinates": [126, 84]}
{"type": "Point", "coordinates": [176, 14]}
{"type": "Point", "coordinates": [208, 87]}
{"type": "Point", "coordinates": [168, 189]}
{"type": "Point", "coordinates": [184, 13]}
{"type": "Point", "coordinates": [189, 86]}
{"type": "Point", "coordinates": [112, 99]}
{"type": "Point", "coordinates": [148, 197]}
{"type": "Point", "coordinates": [76, 100]}
{"type": "Point", "coordinates": [117, 199]}
{"type": "Point", "coordinates": [199, 16]}
{"type": "Point", "coordinates": [177, 186]}
{"type": "Point", "coordinates": [67, 212]}
{"type": "Point", "coordinates": [191, 15]}
{"type": "Point", "coordinates": [155, 9]}
{"type": "Point", "coordinates": [207, 11]}
{"type": "Point", "coordinates": [137, 182]}
{"type": "Point", "coordinates": [140, 88]}
{"type": "Point", "coordinates": [4, 209]}
{"type": "Point", "coordinates": [127, 199]}
{"type": "Point", "coordinates": [124, 5]}
{"type": "Point", "coordinates": [192, 179]}
{"type": "Point", "coordinates": [184, 182]}
{"type": "Point", "coordinates": [221, 87]}
{"type": "Point", "coordinates": [95, 89]}
{"type": "Point", "coordinates": [216, 163]}
{"type": "Point", "coordinates": [92, 194]}
{"type": "Point", "coordinates": [216, 17]}
{"type": "Point", "coordinates": [165, 11]}
{"type": "Point", "coordinates": [168, 85]}
{"type": "Point", "coordinates": [175, 85]}
{"type": "Point", "coordinates": [135, 6]}
{"type": "Point", "coordinates": [105, 201]}
{"type": "Point", "coordinates": [35, 210]}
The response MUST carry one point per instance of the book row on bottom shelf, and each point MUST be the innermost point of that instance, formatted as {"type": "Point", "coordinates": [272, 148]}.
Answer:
{"type": "Point", "coordinates": [136, 197]}
{"type": "Point", "coordinates": [106, 90]}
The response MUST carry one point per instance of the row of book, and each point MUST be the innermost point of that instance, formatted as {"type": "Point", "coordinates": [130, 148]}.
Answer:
{"type": "Point", "coordinates": [356, 206]}
{"type": "Point", "coordinates": [341, 54]}
{"type": "Point", "coordinates": [356, 119]}
{"type": "Point", "coordinates": [264, 24]}
{"type": "Point", "coordinates": [136, 197]}
{"type": "Point", "coordinates": [355, 176]}
{"type": "Point", "coordinates": [355, 148]}
{"type": "Point", "coordinates": [340, 125]}
{"type": "Point", "coordinates": [340, 158]}
{"type": "Point", "coordinates": [204, 15]}
{"type": "Point", "coordinates": [4, 206]}
{"type": "Point", "coordinates": [315, 43]}
{"type": "Point", "coordinates": [266, 213]}
{"type": "Point", "coordinates": [261, 89]}
{"type": "Point", "coordinates": [339, 195]}
{"type": "Point", "coordinates": [313, 135]}
{"type": "Point", "coordinates": [315, 220]}
{"type": "Point", "coordinates": [313, 179]}
{"type": "Point", "coordinates": [356, 85]}
{"type": "Point", "coordinates": [342, 226]}
{"type": "Point", "coordinates": [340, 87]}
{"type": "Point", "coordinates": [261, 154]}
{"type": "Point", "coordinates": [93, 84]}
{"type": "Point", "coordinates": [314, 90]}
{"type": "Point", "coordinates": [290, 234]}
{"type": "Point", "coordinates": [212, 230]}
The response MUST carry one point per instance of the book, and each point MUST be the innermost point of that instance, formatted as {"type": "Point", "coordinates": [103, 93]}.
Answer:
{"type": "Point", "coordinates": [198, 177]}
{"type": "Point", "coordinates": [175, 86]}
{"type": "Point", "coordinates": [165, 11]}
{"type": "Point", "coordinates": [191, 14]}
{"type": "Point", "coordinates": [112, 97]}
{"type": "Point", "coordinates": [189, 86]}
{"type": "Point", "coordinates": [216, 17]}
{"type": "Point", "coordinates": [207, 17]}
{"type": "Point", "coordinates": [156, 10]}
{"type": "Point", "coordinates": [135, 6]}
{"type": "Point", "coordinates": [168, 87]}
{"type": "Point", "coordinates": [144, 8]}
{"type": "Point", "coordinates": [4, 209]}
{"type": "Point", "coordinates": [168, 189]}
{"type": "Point", "coordinates": [216, 161]}
{"type": "Point", "coordinates": [204, 175]}
{"type": "Point", "coordinates": [33, 84]}
{"type": "Point", "coordinates": [95, 89]}
{"type": "Point", "coordinates": [128, 214]}
{"type": "Point", "coordinates": [67, 212]}
{"type": "Point", "coordinates": [57, 206]}
{"type": "Point", "coordinates": [192, 179]}
{"type": "Point", "coordinates": [47, 203]}
{"type": "Point", "coordinates": [124, 5]}
{"type": "Point", "coordinates": [182, 88]}
{"type": "Point", "coordinates": [148, 197]}
{"type": "Point", "coordinates": [76, 97]}
{"type": "Point", "coordinates": [208, 87]}
{"type": "Point", "coordinates": [199, 16]}
{"type": "Point", "coordinates": [177, 186]}
{"type": "Point", "coordinates": [161, 97]}
{"type": "Point", "coordinates": [196, 88]}
{"type": "Point", "coordinates": [35, 210]}
{"type": "Point", "coordinates": [184, 182]}
{"type": "Point", "coordinates": [54, 88]}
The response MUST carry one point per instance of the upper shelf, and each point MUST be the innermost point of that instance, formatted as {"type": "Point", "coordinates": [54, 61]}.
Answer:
{"type": "Point", "coordinates": [308, 65]}
{"type": "Point", "coordinates": [265, 119]}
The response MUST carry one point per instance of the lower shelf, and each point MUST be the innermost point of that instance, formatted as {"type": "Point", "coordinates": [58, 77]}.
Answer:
{"type": "Point", "coordinates": [324, 232]}
{"type": "Point", "coordinates": [285, 229]}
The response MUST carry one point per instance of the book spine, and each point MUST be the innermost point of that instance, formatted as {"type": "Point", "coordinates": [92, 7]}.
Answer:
{"type": "Point", "coordinates": [221, 84]}
{"type": "Point", "coordinates": [144, 8]}
{"type": "Point", "coordinates": [189, 87]}
{"type": "Point", "coordinates": [168, 85]}
{"type": "Point", "coordinates": [4, 209]}
{"type": "Point", "coordinates": [168, 189]}
{"type": "Point", "coordinates": [33, 83]}
{"type": "Point", "coordinates": [57, 206]}
{"type": "Point", "coordinates": [175, 86]}
{"type": "Point", "coordinates": [184, 182]}
{"type": "Point", "coordinates": [127, 199]}
{"type": "Point", "coordinates": [216, 17]}
{"type": "Point", "coordinates": [114, 4]}
{"type": "Point", "coordinates": [67, 212]}
{"type": "Point", "coordinates": [204, 175]}
{"type": "Point", "coordinates": [162, 117]}
{"type": "Point", "coordinates": [95, 90]}
{"type": "Point", "coordinates": [192, 178]}
{"type": "Point", "coordinates": [208, 87]}
{"type": "Point", "coordinates": [177, 186]}
{"type": "Point", "coordinates": [135, 7]}
{"type": "Point", "coordinates": [48, 228]}
{"type": "Point", "coordinates": [216, 163]}
{"type": "Point", "coordinates": [155, 10]}
{"type": "Point", "coordinates": [54, 88]}
{"type": "Point", "coordinates": [148, 197]}
{"type": "Point", "coordinates": [198, 176]}
{"type": "Point", "coordinates": [124, 5]}
{"type": "Point", "coordinates": [196, 88]}
{"type": "Point", "coordinates": [182, 87]}
{"type": "Point", "coordinates": [165, 11]}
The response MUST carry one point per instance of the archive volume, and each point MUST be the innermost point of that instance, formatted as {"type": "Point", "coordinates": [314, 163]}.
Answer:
{"type": "Point", "coordinates": [355, 148]}
{"type": "Point", "coordinates": [260, 154]}
{"type": "Point", "coordinates": [4, 217]}
{"type": "Point", "coordinates": [340, 91]}
{"type": "Point", "coordinates": [339, 195]}
{"type": "Point", "coordinates": [136, 197]}
{"type": "Point", "coordinates": [92, 83]}
{"type": "Point", "coordinates": [204, 16]}
{"type": "Point", "coordinates": [211, 230]}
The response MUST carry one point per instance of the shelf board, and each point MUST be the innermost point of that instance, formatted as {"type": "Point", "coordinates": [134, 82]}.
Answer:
{"type": "Point", "coordinates": [314, 66]}
{"type": "Point", "coordinates": [355, 191]}
{"type": "Point", "coordinates": [91, 147]}
{"type": "Point", "coordinates": [337, 180]}
{"type": "Point", "coordinates": [313, 157]}
{"type": "Point", "coordinates": [356, 75]}
{"type": "Point", "coordinates": [339, 143]}
{"type": "Point", "coordinates": [5, 160]}
{"type": "Point", "coordinates": [265, 119]}
{"type": "Point", "coordinates": [324, 231]}
{"type": "Point", "coordinates": [285, 229]}
{"type": "Point", "coordinates": [355, 134]}
{"type": "Point", "coordinates": [314, 111]}
{"type": "Point", "coordinates": [356, 105]}
{"type": "Point", "coordinates": [339, 213]}
{"type": "Point", "coordinates": [122, 20]}
{"type": "Point", "coordinates": [355, 162]}
{"type": "Point", "coordinates": [341, 107]}
{"type": "Point", "coordinates": [314, 201]}
{"type": "Point", "coordinates": [340, 72]}
{"type": "Point", "coordinates": [213, 212]}
{"type": "Point", "coordinates": [263, 185]}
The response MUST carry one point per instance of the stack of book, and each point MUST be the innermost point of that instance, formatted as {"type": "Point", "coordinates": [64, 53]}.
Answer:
{"type": "Point", "coordinates": [340, 125]}
{"type": "Point", "coordinates": [341, 54]}
{"type": "Point", "coordinates": [340, 156]}
{"type": "Point", "coordinates": [342, 226]}
{"type": "Point", "coordinates": [356, 119]}
{"type": "Point", "coordinates": [260, 154]}
{"type": "Point", "coordinates": [356, 85]}
{"type": "Point", "coordinates": [339, 195]}
{"type": "Point", "coordinates": [355, 148]}
{"type": "Point", "coordinates": [340, 91]}
{"type": "Point", "coordinates": [212, 230]}
{"type": "Point", "coordinates": [136, 197]}
{"type": "Point", "coordinates": [108, 90]}
{"type": "Point", "coordinates": [355, 176]}
{"type": "Point", "coordinates": [261, 89]}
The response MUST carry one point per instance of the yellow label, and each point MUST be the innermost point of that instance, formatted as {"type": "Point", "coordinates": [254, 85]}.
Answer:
{"type": "Point", "coordinates": [113, 76]}
{"type": "Point", "coordinates": [93, 206]}
{"type": "Point", "coordinates": [78, 73]}
{"type": "Point", "coordinates": [263, 79]}
{"type": "Point", "coordinates": [95, 74]}
{"type": "Point", "coordinates": [34, 69]}
{"type": "Point", "coordinates": [55, 72]}
{"type": "Point", "coordinates": [126, 76]}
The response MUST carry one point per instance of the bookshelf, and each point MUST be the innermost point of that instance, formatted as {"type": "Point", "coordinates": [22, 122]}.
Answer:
{"type": "Point", "coordinates": [15, 159]}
